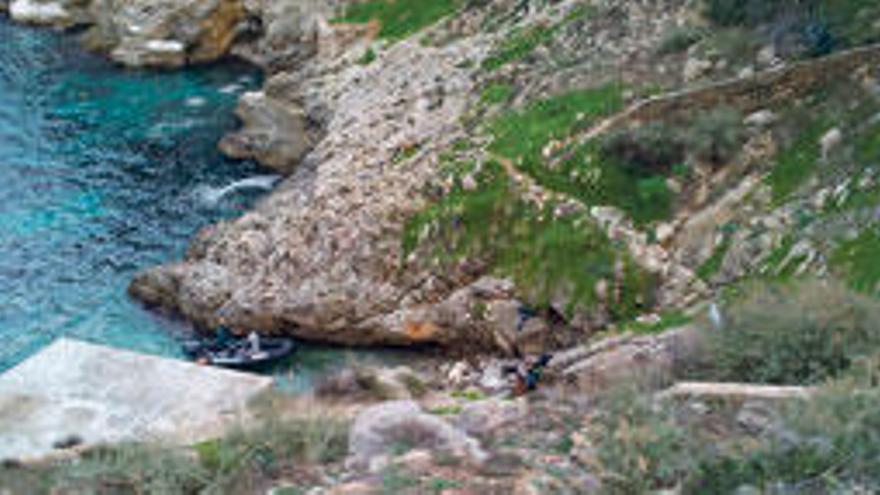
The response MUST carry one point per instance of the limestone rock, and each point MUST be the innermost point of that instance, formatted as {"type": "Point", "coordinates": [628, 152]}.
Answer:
{"type": "Point", "coordinates": [696, 68]}
{"type": "Point", "coordinates": [57, 13]}
{"type": "Point", "coordinates": [163, 33]}
{"type": "Point", "coordinates": [484, 418]}
{"type": "Point", "coordinates": [652, 359]}
{"type": "Point", "coordinates": [379, 429]}
{"type": "Point", "coordinates": [761, 119]}
{"type": "Point", "coordinates": [321, 258]}
{"type": "Point", "coordinates": [830, 141]}
{"type": "Point", "coordinates": [275, 132]}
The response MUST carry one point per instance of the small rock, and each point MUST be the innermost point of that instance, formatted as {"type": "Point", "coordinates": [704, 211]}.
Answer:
{"type": "Point", "coordinates": [696, 68]}
{"type": "Point", "coordinates": [755, 418]}
{"type": "Point", "coordinates": [458, 374]}
{"type": "Point", "coordinates": [468, 183]}
{"type": "Point", "coordinates": [746, 72]}
{"type": "Point", "coordinates": [767, 56]}
{"type": "Point", "coordinates": [831, 140]}
{"type": "Point", "coordinates": [761, 118]}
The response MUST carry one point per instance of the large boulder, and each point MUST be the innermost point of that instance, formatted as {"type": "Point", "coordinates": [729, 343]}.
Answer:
{"type": "Point", "coordinates": [380, 430]}
{"type": "Point", "coordinates": [275, 132]}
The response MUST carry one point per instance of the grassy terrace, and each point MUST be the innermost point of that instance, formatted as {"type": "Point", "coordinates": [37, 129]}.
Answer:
{"type": "Point", "coordinates": [398, 18]}
{"type": "Point", "coordinates": [547, 256]}
{"type": "Point", "coordinates": [585, 172]}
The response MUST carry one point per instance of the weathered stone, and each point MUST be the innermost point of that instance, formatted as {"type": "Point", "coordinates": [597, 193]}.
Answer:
{"type": "Point", "coordinates": [164, 33]}
{"type": "Point", "coordinates": [379, 430]}
{"type": "Point", "coordinates": [830, 141]}
{"type": "Point", "coordinates": [275, 132]}
{"type": "Point", "coordinates": [484, 418]}
{"type": "Point", "coordinates": [100, 395]}
{"type": "Point", "coordinates": [652, 360]}
{"type": "Point", "coordinates": [761, 118]}
{"type": "Point", "coordinates": [56, 13]}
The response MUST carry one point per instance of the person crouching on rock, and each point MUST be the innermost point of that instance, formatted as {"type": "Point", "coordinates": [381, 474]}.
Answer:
{"type": "Point", "coordinates": [528, 373]}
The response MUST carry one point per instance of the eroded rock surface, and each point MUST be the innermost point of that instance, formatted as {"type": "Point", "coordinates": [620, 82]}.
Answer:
{"type": "Point", "coordinates": [165, 33]}
{"type": "Point", "coordinates": [322, 256]}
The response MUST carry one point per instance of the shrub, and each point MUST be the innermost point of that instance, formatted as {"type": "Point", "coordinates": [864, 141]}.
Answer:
{"type": "Point", "coordinates": [830, 444]}
{"type": "Point", "coordinates": [639, 447]}
{"type": "Point", "coordinates": [133, 468]}
{"type": "Point", "coordinates": [368, 57]}
{"type": "Point", "coordinates": [857, 261]}
{"type": "Point", "coordinates": [750, 12]}
{"type": "Point", "coordinates": [717, 136]}
{"type": "Point", "coordinates": [679, 39]}
{"type": "Point", "coordinates": [645, 150]}
{"type": "Point", "coordinates": [235, 463]}
{"type": "Point", "coordinates": [398, 18]}
{"type": "Point", "coordinates": [794, 334]}
{"type": "Point", "coordinates": [497, 93]}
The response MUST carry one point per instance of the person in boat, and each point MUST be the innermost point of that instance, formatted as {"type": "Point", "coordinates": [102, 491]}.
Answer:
{"type": "Point", "coordinates": [254, 341]}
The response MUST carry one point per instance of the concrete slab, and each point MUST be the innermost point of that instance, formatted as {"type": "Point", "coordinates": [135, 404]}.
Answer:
{"type": "Point", "coordinates": [103, 395]}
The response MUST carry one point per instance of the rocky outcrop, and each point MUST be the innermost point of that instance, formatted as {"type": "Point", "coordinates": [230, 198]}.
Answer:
{"type": "Point", "coordinates": [276, 131]}
{"type": "Point", "coordinates": [166, 33]}
{"type": "Point", "coordinates": [651, 360]}
{"type": "Point", "coordinates": [321, 258]}
{"type": "Point", "coordinates": [380, 429]}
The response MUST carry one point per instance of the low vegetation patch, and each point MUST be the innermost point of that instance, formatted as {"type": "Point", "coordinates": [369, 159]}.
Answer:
{"type": "Point", "coordinates": [614, 173]}
{"type": "Point", "coordinates": [819, 26]}
{"type": "Point", "coordinates": [858, 261]}
{"type": "Point", "coordinates": [240, 462]}
{"type": "Point", "coordinates": [549, 256]}
{"type": "Point", "coordinates": [794, 334]}
{"type": "Point", "coordinates": [398, 18]}
{"type": "Point", "coordinates": [497, 93]}
{"type": "Point", "coordinates": [797, 162]}
{"type": "Point", "coordinates": [831, 444]}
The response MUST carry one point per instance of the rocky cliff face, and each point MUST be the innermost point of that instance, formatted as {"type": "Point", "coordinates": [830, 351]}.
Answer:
{"type": "Point", "coordinates": [375, 126]}
{"type": "Point", "coordinates": [322, 256]}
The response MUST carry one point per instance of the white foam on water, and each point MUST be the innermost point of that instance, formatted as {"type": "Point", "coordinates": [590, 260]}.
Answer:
{"type": "Point", "coordinates": [210, 196]}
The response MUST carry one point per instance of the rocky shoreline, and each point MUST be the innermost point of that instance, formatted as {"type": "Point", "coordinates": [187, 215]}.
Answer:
{"type": "Point", "coordinates": [363, 142]}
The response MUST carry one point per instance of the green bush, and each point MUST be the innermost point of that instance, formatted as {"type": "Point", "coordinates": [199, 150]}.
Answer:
{"type": "Point", "coordinates": [548, 256]}
{"type": "Point", "coordinates": [679, 39]}
{"type": "Point", "coordinates": [639, 446]}
{"type": "Point", "coordinates": [368, 57]}
{"type": "Point", "coordinates": [830, 444]}
{"type": "Point", "coordinates": [750, 12]}
{"type": "Point", "coordinates": [398, 18]}
{"type": "Point", "coordinates": [134, 468]}
{"type": "Point", "coordinates": [646, 150]}
{"type": "Point", "coordinates": [794, 334]}
{"type": "Point", "coordinates": [857, 261]}
{"type": "Point", "coordinates": [717, 136]}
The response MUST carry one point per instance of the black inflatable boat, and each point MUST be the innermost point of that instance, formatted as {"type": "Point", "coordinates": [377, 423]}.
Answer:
{"type": "Point", "coordinates": [238, 352]}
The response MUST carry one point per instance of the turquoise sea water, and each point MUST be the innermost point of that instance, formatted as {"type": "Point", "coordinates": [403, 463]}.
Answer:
{"type": "Point", "coordinates": [101, 175]}
{"type": "Point", "coordinates": [99, 169]}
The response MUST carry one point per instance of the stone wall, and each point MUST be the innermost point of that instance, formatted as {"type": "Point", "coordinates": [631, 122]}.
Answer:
{"type": "Point", "coordinates": [763, 90]}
